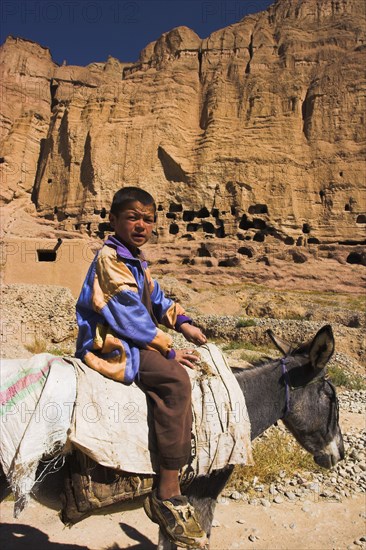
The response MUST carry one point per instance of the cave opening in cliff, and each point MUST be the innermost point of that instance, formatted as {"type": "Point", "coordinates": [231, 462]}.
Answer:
{"type": "Point", "coordinates": [171, 216]}
{"type": "Point", "coordinates": [203, 252]}
{"type": "Point", "coordinates": [104, 227]}
{"type": "Point", "coordinates": [259, 224]}
{"type": "Point", "coordinates": [100, 212]}
{"type": "Point", "coordinates": [246, 251]}
{"type": "Point", "coordinates": [313, 240]}
{"type": "Point", "coordinates": [354, 258]}
{"type": "Point", "coordinates": [46, 255]}
{"type": "Point", "coordinates": [289, 240]}
{"type": "Point", "coordinates": [203, 213]}
{"type": "Point", "coordinates": [173, 229]}
{"type": "Point", "coordinates": [208, 227]}
{"type": "Point", "coordinates": [220, 231]}
{"type": "Point", "coordinates": [361, 218]}
{"type": "Point", "coordinates": [258, 209]}
{"type": "Point", "coordinates": [174, 207]}
{"type": "Point", "coordinates": [193, 227]}
{"type": "Point", "coordinates": [259, 237]}
{"type": "Point", "coordinates": [229, 262]}
{"type": "Point", "coordinates": [189, 215]}
{"type": "Point", "coordinates": [306, 228]}
{"type": "Point", "coordinates": [245, 223]}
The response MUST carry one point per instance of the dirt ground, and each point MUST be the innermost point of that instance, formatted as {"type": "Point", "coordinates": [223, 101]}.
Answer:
{"type": "Point", "coordinates": [315, 524]}
{"type": "Point", "coordinates": [322, 526]}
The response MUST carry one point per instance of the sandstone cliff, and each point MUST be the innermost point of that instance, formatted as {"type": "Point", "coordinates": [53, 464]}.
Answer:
{"type": "Point", "coordinates": [256, 132]}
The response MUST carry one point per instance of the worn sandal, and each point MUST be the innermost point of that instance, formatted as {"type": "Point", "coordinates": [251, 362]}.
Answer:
{"type": "Point", "coordinates": [177, 518]}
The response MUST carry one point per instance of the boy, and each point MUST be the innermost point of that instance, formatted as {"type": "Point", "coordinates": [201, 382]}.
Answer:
{"type": "Point", "coordinates": [118, 312]}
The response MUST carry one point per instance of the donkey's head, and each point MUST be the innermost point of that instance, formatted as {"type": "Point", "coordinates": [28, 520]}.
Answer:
{"type": "Point", "coordinates": [312, 414]}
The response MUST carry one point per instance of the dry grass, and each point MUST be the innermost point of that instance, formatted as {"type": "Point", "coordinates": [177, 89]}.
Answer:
{"type": "Point", "coordinates": [274, 453]}
{"type": "Point", "coordinates": [39, 345]}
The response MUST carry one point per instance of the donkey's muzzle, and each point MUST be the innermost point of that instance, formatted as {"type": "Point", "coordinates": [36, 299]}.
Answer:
{"type": "Point", "coordinates": [332, 454]}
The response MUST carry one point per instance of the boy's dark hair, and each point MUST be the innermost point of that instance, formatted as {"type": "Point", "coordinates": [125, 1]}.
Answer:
{"type": "Point", "coordinates": [130, 194]}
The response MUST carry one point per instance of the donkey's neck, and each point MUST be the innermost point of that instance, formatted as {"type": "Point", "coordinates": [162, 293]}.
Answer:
{"type": "Point", "coordinates": [265, 395]}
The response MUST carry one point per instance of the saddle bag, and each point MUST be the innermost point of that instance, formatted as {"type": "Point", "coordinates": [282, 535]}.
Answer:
{"type": "Point", "coordinates": [89, 487]}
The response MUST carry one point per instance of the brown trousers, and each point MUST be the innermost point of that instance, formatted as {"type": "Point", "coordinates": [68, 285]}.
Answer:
{"type": "Point", "coordinates": [168, 386]}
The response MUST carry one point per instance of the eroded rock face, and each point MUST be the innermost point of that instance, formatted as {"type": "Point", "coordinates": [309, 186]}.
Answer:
{"type": "Point", "coordinates": [255, 132]}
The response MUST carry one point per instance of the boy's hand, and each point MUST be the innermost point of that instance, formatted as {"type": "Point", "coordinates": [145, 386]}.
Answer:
{"type": "Point", "coordinates": [193, 334]}
{"type": "Point", "coordinates": [187, 357]}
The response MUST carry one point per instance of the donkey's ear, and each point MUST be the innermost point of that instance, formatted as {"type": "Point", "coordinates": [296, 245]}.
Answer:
{"type": "Point", "coordinates": [285, 347]}
{"type": "Point", "coordinates": [322, 347]}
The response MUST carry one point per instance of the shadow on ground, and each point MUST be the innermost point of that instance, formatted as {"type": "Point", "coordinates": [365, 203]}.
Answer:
{"type": "Point", "coordinates": [143, 543]}
{"type": "Point", "coordinates": [19, 537]}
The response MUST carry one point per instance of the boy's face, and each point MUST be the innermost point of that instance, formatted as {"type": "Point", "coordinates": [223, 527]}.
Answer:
{"type": "Point", "coordinates": [135, 224]}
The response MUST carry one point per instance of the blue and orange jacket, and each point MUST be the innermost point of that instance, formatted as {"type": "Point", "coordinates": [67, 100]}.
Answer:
{"type": "Point", "coordinates": [114, 324]}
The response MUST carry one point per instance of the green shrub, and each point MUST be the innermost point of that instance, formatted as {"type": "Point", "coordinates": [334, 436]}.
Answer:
{"type": "Point", "coordinates": [340, 377]}
{"type": "Point", "coordinates": [233, 345]}
{"type": "Point", "coordinates": [245, 322]}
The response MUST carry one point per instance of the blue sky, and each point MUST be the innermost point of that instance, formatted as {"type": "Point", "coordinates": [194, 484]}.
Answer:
{"type": "Point", "coordinates": [83, 31]}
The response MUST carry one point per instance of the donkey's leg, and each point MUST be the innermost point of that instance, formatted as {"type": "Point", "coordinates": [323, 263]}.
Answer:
{"type": "Point", "coordinates": [203, 492]}
{"type": "Point", "coordinates": [164, 543]}
{"type": "Point", "coordinates": [204, 508]}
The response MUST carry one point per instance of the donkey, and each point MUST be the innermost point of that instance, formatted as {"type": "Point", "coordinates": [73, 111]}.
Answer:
{"type": "Point", "coordinates": [293, 389]}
